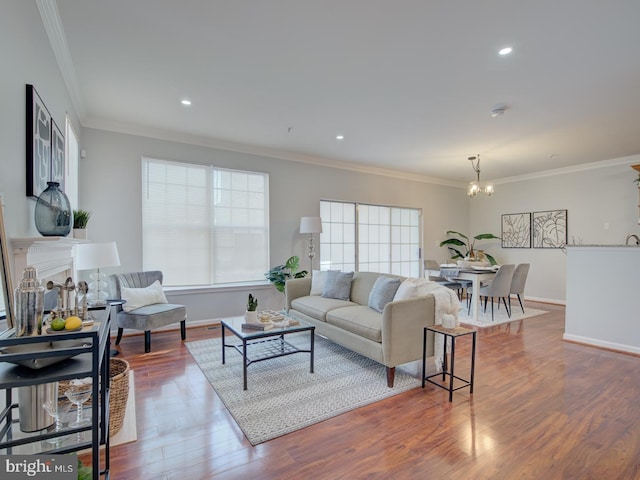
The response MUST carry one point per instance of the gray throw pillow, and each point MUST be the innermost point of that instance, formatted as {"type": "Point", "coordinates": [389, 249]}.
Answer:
{"type": "Point", "coordinates": [337, 285]}
{"type": "Point", "coordinates": [383, 292]}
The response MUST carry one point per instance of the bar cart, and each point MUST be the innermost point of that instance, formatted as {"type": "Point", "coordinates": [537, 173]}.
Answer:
{"type": "Point", "coordinates": [43, 359]}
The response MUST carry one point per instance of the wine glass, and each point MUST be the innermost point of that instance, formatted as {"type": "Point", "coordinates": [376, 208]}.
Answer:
{"type": "Point", "coordinates": [57, 410]}
{"type": "Point", "coordinates": [78, 393]}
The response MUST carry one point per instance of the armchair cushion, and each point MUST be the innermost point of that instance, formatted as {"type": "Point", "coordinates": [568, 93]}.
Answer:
{"type": "Point", "coordinates": [141, 297]}
{"type": "Point", "coordinates": [151, 317]}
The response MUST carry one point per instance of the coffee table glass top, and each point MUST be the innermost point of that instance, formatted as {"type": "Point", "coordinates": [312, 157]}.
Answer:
{"type": "Point", "coordinates": [293, 325]}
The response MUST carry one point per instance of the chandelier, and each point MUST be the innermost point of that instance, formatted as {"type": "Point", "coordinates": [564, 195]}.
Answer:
{"type": "Point", "coordinates": [476, 187]}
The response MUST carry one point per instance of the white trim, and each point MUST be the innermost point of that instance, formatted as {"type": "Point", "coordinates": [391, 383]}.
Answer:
{"type": "Point", "coordinates": [222, 288]}
{"type": "Point", "coordinates": [53, 26]}
{"type": "Point", "coordinates": [601, 343]}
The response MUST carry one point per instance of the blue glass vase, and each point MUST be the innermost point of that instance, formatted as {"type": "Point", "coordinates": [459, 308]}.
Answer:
{"type": "Point", "coordinates": [53, 212]}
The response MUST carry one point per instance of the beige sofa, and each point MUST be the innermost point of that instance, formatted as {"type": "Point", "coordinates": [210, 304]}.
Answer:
{"type": "Point", "coordinates": [391, 338]}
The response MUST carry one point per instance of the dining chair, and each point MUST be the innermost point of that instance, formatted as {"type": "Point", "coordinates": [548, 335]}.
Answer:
{"type": "Point", "coordinates": [452, 283]}
{"type": "Point", "coordinates": [499, 288]}
{"type": "Point", "coordinates": [518, 282]}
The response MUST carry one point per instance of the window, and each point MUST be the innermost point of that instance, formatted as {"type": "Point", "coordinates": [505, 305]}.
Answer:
{"type": "Point", "coordinates": [203, 225]}
{"type": "Point", "coordinates": [71, 173]}
{"type": "Point", "coordinates": [387, 241]}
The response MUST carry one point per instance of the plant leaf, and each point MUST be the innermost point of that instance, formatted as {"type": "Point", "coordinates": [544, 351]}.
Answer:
{"type": "Point", "coordinates": [485, 236]}
{"type": "Point", "coordinates": [453, 241]}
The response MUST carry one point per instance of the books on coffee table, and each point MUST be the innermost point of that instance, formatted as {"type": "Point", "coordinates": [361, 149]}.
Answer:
{"type": "Point", "coordinates": [257, 326]}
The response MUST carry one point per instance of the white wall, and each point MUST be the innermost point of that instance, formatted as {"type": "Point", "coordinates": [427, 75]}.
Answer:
{"type": "Point", "coordinates": [602, 194]}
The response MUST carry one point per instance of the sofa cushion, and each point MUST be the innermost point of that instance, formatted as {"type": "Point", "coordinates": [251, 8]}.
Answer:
{"type": "Point", "coordinates": [382, 292]}
{"type": "Point", "coordinates": [360, 320]}
{"type": "Point", "coordinates": [317, 307]}
{"type": "Point", "coordinates": [337, 285]}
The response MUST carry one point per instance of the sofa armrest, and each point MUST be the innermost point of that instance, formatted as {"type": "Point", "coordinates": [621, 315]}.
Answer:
{"type": "Point", "coordinates": [295, 288]}
{"type": "Point", "coordinates": [403, 323]}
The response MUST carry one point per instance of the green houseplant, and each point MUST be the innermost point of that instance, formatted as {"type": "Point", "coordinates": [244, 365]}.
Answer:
{"type": "Point", "coordinates": [280, 274]}
{"type": "Point", "coordinates": [460, 246]}
{"type": "Point", "coordinates": [251, 316]}
{"type": "Point", "coordinates": [81, 218]}
{"type": "Point", "coordinates": [252, 303]}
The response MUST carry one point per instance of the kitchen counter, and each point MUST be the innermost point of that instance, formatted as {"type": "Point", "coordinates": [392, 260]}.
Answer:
{"type": "Point", "coordinates": [602, 304]}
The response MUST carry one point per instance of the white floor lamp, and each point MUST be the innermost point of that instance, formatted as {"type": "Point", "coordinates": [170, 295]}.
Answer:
{"type": "Point", "coordinates": [311, 225]}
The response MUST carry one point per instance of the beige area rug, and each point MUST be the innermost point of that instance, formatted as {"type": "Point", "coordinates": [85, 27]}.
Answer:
{"type": "Point", "coordinates": [283, 396]}
{"type": "Point", "coordinates": [499, 316]}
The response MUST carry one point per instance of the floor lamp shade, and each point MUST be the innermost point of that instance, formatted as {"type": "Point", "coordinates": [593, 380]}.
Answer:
{"type": "Point", "coordinates": [91, 256]}
{"type": "Point", "coordinates": [310, 225]}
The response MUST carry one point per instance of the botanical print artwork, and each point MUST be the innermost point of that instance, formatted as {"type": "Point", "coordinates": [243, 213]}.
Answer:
{"type": "Point", "coordinates": [516, 230]}
{"type": "Point", "coordinates": [550, 229]}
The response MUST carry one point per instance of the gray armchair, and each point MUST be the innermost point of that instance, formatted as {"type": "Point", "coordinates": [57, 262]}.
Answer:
{"type": "Point", "coordinates": [148, 317]}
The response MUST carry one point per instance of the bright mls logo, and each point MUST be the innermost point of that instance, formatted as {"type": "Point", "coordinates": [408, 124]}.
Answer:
{"type": "Point", "coordinates": [45, 467]}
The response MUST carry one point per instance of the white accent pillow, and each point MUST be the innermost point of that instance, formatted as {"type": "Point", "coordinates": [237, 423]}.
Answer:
{"type": "Point", "coordinates": [407, 289]}
{"type": "Point", "coordinates": [141, 297]}
{"type": "Point", "coordinates": [317, 281]}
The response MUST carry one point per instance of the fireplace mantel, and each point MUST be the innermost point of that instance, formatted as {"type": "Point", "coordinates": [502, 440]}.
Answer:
{"type": "Point", "coordinates": [51, 256]}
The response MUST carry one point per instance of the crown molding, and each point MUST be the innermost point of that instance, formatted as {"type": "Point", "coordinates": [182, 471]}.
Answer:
{"type": "Point", "coordinates": [53, 26]}
{"type": "Point", "coordinates": [567, 170]}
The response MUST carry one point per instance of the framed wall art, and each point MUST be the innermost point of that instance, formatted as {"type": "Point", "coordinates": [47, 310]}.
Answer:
{"type": "Point", "coordinates": [516, 230]}
{"type": "Point", "coordinates": [57, 155]}
{"type": "Point", "coordinates": [38, 143]}
{"type": "Point", "coordinates": [549, 229]}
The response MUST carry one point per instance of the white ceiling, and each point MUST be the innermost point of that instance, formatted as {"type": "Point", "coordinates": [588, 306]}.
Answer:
{"type": "Point", "coordinates": [410, 84]}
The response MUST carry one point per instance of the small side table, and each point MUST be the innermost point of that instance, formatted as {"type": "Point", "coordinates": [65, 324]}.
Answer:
{"type": "Point", "coordinates": [452, 333]}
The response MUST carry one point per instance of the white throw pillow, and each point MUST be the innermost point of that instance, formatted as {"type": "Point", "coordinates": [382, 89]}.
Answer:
{"type": "Point", "coordinates": [317, 282]}
{"type": "Point", "coordinates": [407, 289]}
{"type": "Point", "coordinates": [141, 297]}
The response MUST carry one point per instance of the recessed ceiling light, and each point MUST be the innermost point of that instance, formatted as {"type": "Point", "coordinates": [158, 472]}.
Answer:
{"type": "Point", "coordinates": [505, 51]}
{"type": "Point", "coordinates": [186, 102]}
{"type": "Point", "coordinates": [339, 137]}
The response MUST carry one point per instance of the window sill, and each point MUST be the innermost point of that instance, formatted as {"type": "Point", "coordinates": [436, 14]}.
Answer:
{"type": "Point", "coordinates": [227, 287]}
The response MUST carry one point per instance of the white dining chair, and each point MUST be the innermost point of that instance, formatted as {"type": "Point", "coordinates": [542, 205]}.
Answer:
{"type": "Point", "coordinates": [499, 288]}
{"type": "Point", "coordinates": [518, 283]}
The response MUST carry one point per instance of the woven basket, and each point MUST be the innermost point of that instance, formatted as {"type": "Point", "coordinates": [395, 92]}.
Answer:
{"type": "Point", "coordinates": [119, 394]}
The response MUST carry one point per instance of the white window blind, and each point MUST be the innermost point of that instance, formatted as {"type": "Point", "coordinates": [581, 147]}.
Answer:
{"type": "Point", "coordinates": [204, 225]}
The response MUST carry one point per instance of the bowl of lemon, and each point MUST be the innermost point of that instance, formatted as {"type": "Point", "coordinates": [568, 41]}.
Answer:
{"type": "Point", "coordinates": [62, 325]}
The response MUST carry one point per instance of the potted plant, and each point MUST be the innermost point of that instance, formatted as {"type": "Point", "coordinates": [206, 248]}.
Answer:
{"type": "Point", "coordinates": [280, 274]}
{"type": "Point", "coordinates": [467, 252]}
{"type": "Point", "coordinates": [251, 316]}
{"type": "Point", "coordinates": [80, 220]}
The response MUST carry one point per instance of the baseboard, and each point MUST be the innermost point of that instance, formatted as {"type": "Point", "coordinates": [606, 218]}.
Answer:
{"type": "Point", "coordinates": [592, 342]}
{"type": "Point", "coordinates": [172, 327]}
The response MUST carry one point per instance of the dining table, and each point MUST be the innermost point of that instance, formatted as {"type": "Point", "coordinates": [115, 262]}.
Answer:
{"type": "Point", "coordinates": [476, 275]}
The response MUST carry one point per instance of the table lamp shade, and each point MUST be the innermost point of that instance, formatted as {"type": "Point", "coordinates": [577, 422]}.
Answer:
{"type": "Point", "coordinates": [310, 225]}
{"type": "Point", "coordinates": [96, 255]}
{"type": "Point", "coordinates": [91, 256]}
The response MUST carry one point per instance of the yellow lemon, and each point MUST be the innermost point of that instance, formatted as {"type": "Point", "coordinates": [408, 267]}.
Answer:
{"type": "Point", "coordinates": [72, 323]}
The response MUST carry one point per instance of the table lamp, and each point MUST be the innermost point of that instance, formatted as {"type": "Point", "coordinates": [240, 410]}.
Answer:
{"type": "Point", "coordinates": [97, 255]}
{"type": "Point", "coordinates": [311, 225]}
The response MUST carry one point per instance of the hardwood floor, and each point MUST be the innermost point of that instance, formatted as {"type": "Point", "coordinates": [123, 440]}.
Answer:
{"type": "Point", "coordinates": [542, 409]}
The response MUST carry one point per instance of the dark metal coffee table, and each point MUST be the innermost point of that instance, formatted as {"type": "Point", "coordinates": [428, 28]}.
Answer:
{"type": "Point", "coordinates": [259, 345]}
